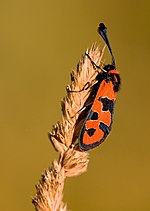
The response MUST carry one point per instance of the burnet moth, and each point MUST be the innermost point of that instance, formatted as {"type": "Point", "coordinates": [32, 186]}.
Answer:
{"type": "Point", "coordinates": [98, 122]}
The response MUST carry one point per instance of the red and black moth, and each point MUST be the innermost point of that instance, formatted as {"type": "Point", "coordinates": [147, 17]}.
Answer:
{"type": "Point", "coordinates": [98, 122]}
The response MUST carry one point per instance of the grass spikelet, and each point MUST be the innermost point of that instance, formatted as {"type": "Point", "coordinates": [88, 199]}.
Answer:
{"type": "Point", "coordinates": [72, 161]}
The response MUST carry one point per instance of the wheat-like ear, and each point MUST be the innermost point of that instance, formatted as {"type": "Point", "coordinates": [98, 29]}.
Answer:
{"type": "Point", "coordinates": [72, 161]}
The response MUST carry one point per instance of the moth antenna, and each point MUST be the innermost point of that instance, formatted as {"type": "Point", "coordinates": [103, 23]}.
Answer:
{"type": "Point", "coordinates": [102, 30]}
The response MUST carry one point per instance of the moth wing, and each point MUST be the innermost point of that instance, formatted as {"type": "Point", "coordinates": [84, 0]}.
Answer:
{"type": "Point", "coordinates": [97, 124]}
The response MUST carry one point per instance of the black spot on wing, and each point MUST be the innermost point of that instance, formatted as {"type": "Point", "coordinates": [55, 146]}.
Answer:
{"type": "Point", "coordinates": [105, 129]}
{"type": "Point", "coordinates": [108, 105]}
{"type": "Point", "coordinates": [94, 116]}
{"type": "Point", "coordinates": [91, 131]}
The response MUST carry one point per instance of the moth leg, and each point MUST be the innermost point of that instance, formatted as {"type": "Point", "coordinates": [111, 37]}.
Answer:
{"type": "Point", "coordinates": [87, 86]}
{"type": "Point", "coordinates": [95, 66]}
{"type": "Point", "coordinates": [82, 109]}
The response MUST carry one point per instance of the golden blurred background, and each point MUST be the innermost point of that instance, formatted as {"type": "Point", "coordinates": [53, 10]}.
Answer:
{"type": "Point", "coordinates": [40, 42]}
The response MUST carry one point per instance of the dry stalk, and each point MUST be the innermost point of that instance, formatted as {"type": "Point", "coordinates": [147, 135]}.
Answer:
{"type": "Point", "coordinates": [72, 161]}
